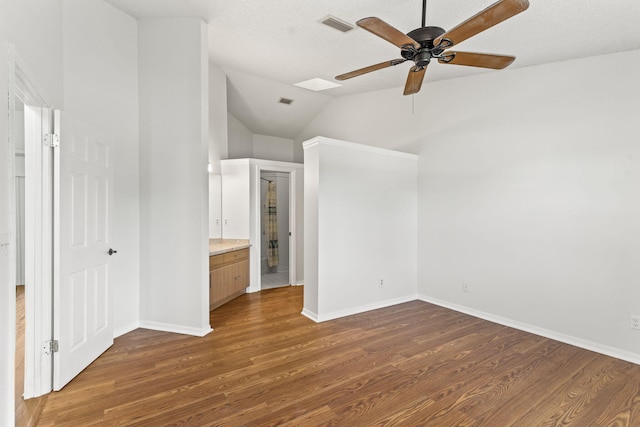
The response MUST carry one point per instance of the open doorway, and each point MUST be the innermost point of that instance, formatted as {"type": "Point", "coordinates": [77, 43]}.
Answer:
{"type": "Point", "coordinates": [275, 201]}
{"type": "Point", "coordinates": [18, 137]}
{"type": "Point", "coordinates": [31, 231]}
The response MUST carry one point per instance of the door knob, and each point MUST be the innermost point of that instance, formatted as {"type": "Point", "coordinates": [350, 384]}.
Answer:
{"type": "Point", "coordinates": [111, 252]}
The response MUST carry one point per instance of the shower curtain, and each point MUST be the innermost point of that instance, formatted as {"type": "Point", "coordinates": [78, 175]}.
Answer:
{"type": "Point", "coordinates": [272, 225]}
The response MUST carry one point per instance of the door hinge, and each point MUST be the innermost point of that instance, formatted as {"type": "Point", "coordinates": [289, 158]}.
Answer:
{"type": "Point", "coordinates": [52, 140]}
{"type": "Point", "coordinates": [50, 347]}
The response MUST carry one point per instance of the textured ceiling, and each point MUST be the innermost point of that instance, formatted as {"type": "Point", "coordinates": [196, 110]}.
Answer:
{"type": "Point", "coordinates": [282, 42]}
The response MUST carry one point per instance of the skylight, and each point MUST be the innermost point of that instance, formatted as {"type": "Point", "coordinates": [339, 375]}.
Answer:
{"type": "Point", "coordinates": [317, 84]}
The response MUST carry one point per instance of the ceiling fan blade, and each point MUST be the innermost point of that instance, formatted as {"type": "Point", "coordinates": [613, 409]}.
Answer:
{"type": "Point", "coordinates": [494, 14]}
{"type": "Point", "coordinates": [369, 69]}
{"type": "Point", "coordinates": [484, 60]}
{"type": "Point", "coordinates": [391, 34]}
{"type": "Point", "coordinates": [414, 80]}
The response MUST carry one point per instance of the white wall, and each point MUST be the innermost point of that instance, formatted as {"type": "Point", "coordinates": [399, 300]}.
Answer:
{"type": "Point", "coordinates": [300, 227]}
{"type": "Point", "coordinates": [253, 100]}
{"type": "Point", "coordinates": [218, 127]}
{"type": "Point", "coordinates": [382, 118]}
{"type": "Point", "coordinates": [245, 144]}
{"type": "Point", "coordinates": [18, 128]}
{"type": "Point", "coordinates": [365, 230]}
{"type": "Point", "coordinates": [532, 200]}
{"type": "Point", "coordinates": [35, 28]}
{"type": "Point", "coordinates": [240, 139]}
{"type": "Point", "coordinates": [311, 230]}
{"type": "Point", "coordinates": [174, 133]}
{"type": "Point", "coordinates": [272, 148]}
{"type": "Point", "coordinates": [101, 88]}
{"type": "Point", "coordinates": [528, 184]}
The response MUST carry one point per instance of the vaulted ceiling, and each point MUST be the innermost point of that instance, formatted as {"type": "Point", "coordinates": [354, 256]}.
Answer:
{"type": "Point", "coordinates": [265, 46]}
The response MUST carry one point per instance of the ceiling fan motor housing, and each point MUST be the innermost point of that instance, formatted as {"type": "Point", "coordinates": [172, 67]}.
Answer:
{"type": "Point", "coordinates": [425, 36]}
{"type": "Point", "coordinates": [422, 58]}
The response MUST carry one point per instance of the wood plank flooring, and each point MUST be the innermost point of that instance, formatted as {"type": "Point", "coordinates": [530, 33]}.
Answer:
{"type": "Point", "coordinates": [413, 364]}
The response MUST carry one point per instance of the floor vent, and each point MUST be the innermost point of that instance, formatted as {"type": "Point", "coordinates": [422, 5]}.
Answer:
{"type": "Point", "coordinates": [285, 101]}
{"type": "Point", "coordinates": [337, 24]}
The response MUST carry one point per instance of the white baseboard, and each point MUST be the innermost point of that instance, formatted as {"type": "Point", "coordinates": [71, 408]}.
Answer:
{"type": "Point", "coordinates": [300, 283]}
{"type": "Point", "coordinates": [310, 314]}
{"type": "Point", "coordinates": [126, 329]}
{"type": "Point", "coordinates": [176, 329]}
{"type": "Point", "coordinates": [554, 335]}
{"type": "Point", "coordinates": [362, 308]}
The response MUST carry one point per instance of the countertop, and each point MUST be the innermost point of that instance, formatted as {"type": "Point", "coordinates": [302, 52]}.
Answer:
{"type": "Point", "coordinates": [220, 246]}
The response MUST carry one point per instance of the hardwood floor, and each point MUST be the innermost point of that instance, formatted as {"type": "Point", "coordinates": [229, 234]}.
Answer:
{"type": "Point", "coordinates": [413, 364]}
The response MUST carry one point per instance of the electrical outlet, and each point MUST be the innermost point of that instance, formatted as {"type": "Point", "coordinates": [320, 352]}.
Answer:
{"type": "Point", "coordinates": [635, 322]}
{"type": "Point", "coordinates": [381, 283]}
{"type": "Point", "coordinates": [465, 287]}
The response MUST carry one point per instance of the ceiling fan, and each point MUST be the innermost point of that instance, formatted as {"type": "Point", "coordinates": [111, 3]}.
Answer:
{"type": "Point", "coordinates": [428, 42]}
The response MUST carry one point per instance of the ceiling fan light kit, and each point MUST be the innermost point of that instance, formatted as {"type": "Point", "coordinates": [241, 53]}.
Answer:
{"type": "Point", "coordinates": [423, 44]}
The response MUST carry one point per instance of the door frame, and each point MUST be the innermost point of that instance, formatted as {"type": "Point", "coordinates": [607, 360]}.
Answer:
{"type": "Point", "coordinates": [39, 211]}
{"type": "Point", "coordinates": [257, 206]}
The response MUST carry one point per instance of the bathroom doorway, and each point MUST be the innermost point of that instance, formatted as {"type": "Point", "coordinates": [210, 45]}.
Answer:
{"type": "Point", "coordinates": [275, 203]}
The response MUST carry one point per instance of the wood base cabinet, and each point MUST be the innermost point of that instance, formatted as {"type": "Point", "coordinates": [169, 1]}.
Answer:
{"type": "Point", "coordinates": [228, 276]}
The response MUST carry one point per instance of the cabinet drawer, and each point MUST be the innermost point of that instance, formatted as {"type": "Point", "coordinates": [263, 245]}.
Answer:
{"type": "Point", "coordinates": [216, 261]}
{"type": "Point", "coordinates": [236, 255]}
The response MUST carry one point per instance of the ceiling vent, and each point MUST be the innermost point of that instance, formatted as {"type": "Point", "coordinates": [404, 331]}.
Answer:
{"type": "Point", "coordinates": [285, 101]}
{"type": "Point", "coordinates": [337, 24]}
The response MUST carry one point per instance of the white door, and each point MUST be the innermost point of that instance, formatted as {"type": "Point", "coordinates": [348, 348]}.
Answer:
{"type": "Point", "coordinates": [38, 247]}
{"type": "Point", "coordinates": [83, 209]}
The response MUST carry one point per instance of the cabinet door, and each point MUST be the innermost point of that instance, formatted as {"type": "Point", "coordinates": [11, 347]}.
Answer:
{"type": "Point", "coordinates": [236, 186]}
{"type": "Point", "coordinates": [229, 277]}
{"type": "Point", "coordinates": [240, 275]}
{"type": "Point", "coordinates": [216, 285]}
{"type": "Point", "coordinates": [215, 206]}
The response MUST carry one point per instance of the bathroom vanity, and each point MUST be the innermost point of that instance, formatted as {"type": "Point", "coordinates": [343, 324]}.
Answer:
{"type": "Point", "coordinates": [228, 270]}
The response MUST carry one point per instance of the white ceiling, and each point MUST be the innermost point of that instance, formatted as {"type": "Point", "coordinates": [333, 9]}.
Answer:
{"type": "Point", "coordinates": [265, 46]}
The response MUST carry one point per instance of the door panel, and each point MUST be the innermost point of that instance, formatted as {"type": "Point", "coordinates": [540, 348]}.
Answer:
{"type": "Point", "coordinates": [78, 214]}
{"type": "Point", "coordinates": [82, 296]}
